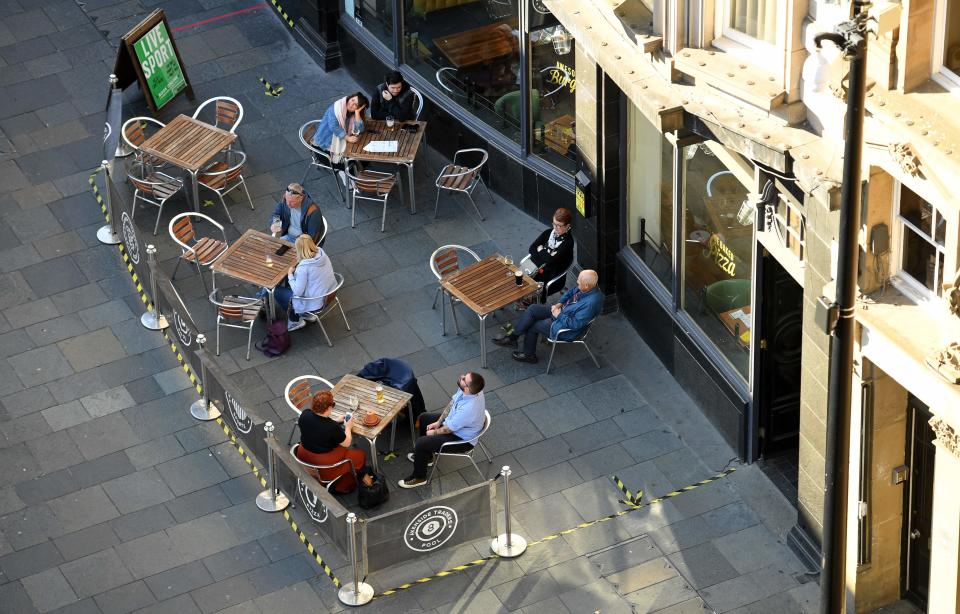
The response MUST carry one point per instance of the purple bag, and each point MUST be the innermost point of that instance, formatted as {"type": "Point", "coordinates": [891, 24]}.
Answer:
{"type": "Point", "coordinates": [277, 340]}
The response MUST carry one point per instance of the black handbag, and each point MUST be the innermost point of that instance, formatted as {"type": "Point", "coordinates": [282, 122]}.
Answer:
{"type": "Point", "coordinates": [376, 493]}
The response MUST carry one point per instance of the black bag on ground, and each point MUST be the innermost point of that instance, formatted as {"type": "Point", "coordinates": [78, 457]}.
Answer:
{"type": "Point", "coordinates": [277, 340]}
{"type": "Point", "coordinates": [376, 493]}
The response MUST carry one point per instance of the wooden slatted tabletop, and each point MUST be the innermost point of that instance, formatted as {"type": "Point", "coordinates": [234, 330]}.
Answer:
{"type": "Point", "coordinates": [485, 286]}
{"type": "Point", "coordinates": [187, 143]}
{"type": "Point", "coordinates": [246, 260]}
{"type": "Point", "coordinates": [478, 46]}
{"type": "Point", "coordinates": [365, 390]}
{"type": "Point", "coordinates": [376, 130]}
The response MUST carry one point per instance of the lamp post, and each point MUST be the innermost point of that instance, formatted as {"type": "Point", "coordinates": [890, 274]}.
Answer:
{"type": "Point", "coordinates": [851, 38]}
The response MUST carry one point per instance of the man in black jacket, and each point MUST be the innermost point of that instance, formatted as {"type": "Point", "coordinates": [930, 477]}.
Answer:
{"type": "Point", "coordinates": [394, 98]}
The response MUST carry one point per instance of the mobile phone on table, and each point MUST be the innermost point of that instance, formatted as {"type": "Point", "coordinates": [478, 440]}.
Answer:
{"type": "Point", "coordinates": [411, 127]}
{"type": "Point", "coordinates": [347, 417]}
{"type": "Point", "coordinates": [283, 249]}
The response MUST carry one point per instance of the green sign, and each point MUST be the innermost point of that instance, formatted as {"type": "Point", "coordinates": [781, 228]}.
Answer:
{"type": "Point", "coordinates": [161, 69]}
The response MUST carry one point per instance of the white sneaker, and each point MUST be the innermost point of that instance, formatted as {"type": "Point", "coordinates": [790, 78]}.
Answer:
{"type": "Point", "coordinates": [292, 326]}
{"type": "Point", "coordinates": [309, 317]}
{"type": "Point", "coordinates": [410, 458]}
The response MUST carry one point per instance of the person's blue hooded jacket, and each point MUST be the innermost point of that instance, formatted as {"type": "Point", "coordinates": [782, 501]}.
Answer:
{"type": "Point", "coordinates": [311, 221]}
{"type": "Point", "coordinates": [575, 315]}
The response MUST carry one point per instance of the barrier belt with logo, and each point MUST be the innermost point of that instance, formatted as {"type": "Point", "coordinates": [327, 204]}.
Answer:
{"type": "Point", "coordinates": [628, 498]}
{"type": "Point", "coordinates": [257, 472]}
{"type": "Point", "coordinates": [583, 525]}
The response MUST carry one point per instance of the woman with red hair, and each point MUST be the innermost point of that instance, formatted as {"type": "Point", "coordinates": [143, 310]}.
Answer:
{"type": "Point", "coordinates": [326, 441]}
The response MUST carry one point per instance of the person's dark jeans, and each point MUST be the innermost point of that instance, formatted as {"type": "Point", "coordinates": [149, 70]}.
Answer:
{"type": "Point", "coordinates": [536, 320]}
{"type": "Point", "coordinates": [283, 295]}
{"type": "Point", "coordinates": [426, 446]}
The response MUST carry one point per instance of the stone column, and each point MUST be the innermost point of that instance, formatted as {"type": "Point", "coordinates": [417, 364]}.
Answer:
{"type": "Point", "coordinates": [945, 533]}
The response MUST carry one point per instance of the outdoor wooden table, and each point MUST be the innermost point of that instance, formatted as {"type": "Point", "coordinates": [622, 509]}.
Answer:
{"type": "Point", "coordinates": [486, 286]}
{"type": "Point", "coordinates": [365, 391]}
{"type": "Point", "coordinates": [189, 144]}
{"type": "Point", "coordinates": [251, 259]}
{"type": "Point", "coordinates": [407, 145]}
{"type": "Point", "coordinates": [478, 46]}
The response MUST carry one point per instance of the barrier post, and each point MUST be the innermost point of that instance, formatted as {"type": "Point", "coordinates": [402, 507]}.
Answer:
{"type": "Point", "coordinates": [152, 319]}
{"type": "Point", "coordinates": [203, 408]}
{"type": "Point", "coordinates": [507, 545]}
{"type": "Point", "coordinates": [107, 234]}
{"type": "Point", "coordinates": [271, 500]}
{"type": "Point", "coordinates": [356, 592]}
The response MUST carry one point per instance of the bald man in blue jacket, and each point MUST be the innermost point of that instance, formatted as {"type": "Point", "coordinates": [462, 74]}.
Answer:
{"type": "Point", "coordinates": [577, 307]}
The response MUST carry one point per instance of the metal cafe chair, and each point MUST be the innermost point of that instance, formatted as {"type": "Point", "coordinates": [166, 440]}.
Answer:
{"type": "Point", "coordinates": [135, 131]}
{"type": "Point", "coordinates": [225, 175]}
{"type": "Point", "coordinates": [202, 251]}
{"type": "Point", "coordinates": [581, 339]}
{"type": "Point", "coordinates": [236, 312]}
{"type": "Point", "coordinates": [299, 394]}
{"type": "Point", "coordinates": [468, 454]}
{"type": "Point", "coordinates": [319, 158]}
{"type": "Point", "coordinates": [328, 484]}
{"type": "Point", "coordinates": [464, 179]}
{"type": "Point", "coordinates": [228, 112]}
{"type": "Point", "coordinates": [444, 261]}
{"type": "Point", "coordinates": [331, 301]}
{"type": "Point", "coordinates": [369, 185]}
{"type": "Point", "coordinates": [548, 288]}
{"type": "Point", "coordinates": [417, 102]}
{"type": "Point", "coordinates": [152, 187]}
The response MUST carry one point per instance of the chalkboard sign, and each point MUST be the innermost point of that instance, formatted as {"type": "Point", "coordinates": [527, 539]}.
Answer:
{"type": "Point", "coordinates": [149, 55]}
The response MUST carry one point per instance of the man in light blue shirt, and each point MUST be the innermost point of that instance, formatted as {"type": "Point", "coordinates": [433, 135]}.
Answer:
{"type": "Point", "coordinates": [461, 422]}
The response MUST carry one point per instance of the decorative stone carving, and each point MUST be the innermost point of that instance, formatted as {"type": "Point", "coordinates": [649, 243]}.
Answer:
{"type": "Point", "coordinates": [903, 154]}
{"type": "Point", "coordinates": [947, 437]}
{"type": "Point", "coordinates": [946, 362]}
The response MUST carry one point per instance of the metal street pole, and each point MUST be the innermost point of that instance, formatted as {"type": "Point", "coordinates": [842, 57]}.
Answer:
{"type": "Point", "coordinates": [851, 38]}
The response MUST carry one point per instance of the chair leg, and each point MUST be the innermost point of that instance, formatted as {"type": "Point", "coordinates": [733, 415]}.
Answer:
{"type": "Point", "coordinates": [249, 339]}
{"type": "Point", "coordinates": [489, 195]}
{"type": "Point", "coordinates": [159, 213]}
{"type": "Point", "coordinates": [224, 203]}
{"type": "Point", "coordinates": [482, 477]}
{"type": "Point", "coordinates": [324, 330]}
{"type": "Point", "coordinates": [336, 182]}
{"type": "Point", "coordinates": [483, 449]}
{"type": "Point", "coordinates": [292, 431]}
{"type": "Point", "coordinates": [218, 337]}
{"type": "Point", "coordinates": [202, 280]}
{"type": "Point", "coordinates": [174, 276]}
{"type": "Point", "coordinates": [307, 172]}
{"type": "Point", "coordinates": [587, 347]}
{"type": "Point", "coordinates": [249, 200]}
{"type": "Point", "coordinates": [443, 313]}
{"type": "Point", "coordinates": [343, 314]}
{"type": "Point", "coordinates": [436, 295]}
{"type": "Point", "coordinates": [353, 214]}
{"type": "Point", "coordinates": [436, 463]}
{"type": "Point", "coordinates": [453, 312]}
{"type": "Point", "coordinates": [475, 207]}
{"type": "Point", "coordinates": [383, 218]}
{"type": "Point", "coordinates": [436, 205]}
{"type": "Point", "coordinates": [133, 206]}
{"type": "Point", "coordinates": [550, 362]}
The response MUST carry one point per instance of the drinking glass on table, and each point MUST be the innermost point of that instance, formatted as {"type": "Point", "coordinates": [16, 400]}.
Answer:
{"type": "Point", "coordinates": [390, 122]}
{"type": "Point", "coordinates": [275, 225]}
{"type": "Point", "coordinates": [379, 391]}
{"type": "Point", "coordinates": [356, 126]}
{"type": "Point", "coordinates": [508, 260]}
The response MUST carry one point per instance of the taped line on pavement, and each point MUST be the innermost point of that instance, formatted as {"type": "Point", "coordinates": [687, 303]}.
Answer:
{"type": "Point", "coordinates": [583, 525]}
{"type": "Point", "coordinates": [269, 89]}
{"type": "Point", "coordinates": [199, 388]}
{"type": "Point", "coordinates": [629, 498]}
{"type": "Point", "coordinates": [283, 14]}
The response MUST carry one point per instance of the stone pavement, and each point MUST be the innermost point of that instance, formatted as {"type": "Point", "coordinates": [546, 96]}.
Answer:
{"type": "Point", "coordinates": [112, 499]}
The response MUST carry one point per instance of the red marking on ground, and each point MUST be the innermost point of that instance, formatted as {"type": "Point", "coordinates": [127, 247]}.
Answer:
{"type": "Point", "coordinates": [249, 9]}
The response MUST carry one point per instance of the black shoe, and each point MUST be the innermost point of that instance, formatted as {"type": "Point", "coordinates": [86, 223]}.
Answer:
{"type": "Point", "coordinates": [509, 341]}
{"type": "Point", "coordinates": [521, 357]}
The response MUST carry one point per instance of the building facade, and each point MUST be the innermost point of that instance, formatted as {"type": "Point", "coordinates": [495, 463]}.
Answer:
{"type": "Point", "coordinates": [701, 142]}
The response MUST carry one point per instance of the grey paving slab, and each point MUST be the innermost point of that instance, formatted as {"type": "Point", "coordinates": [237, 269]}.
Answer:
{"type": "Point", "coordinates": [126, 598]}
{"type": "Point", "coordinates": [15, 597]}
{"type": "Point", "coordinates": [92, 349]}
{"type": "Point", "coordinates": [64, 416]}
{"type": "Point", "coordinates": [40, 365]}
{"type": "Point", "coordinates": [703, 565]}
{"type": "Point", "coordinates": [86, 541]}
{"type": "Point", "coordinates": [199, 503]}
{"type": "Point", "coordinates": [83, 508]}
{"type": "Point", "coordinates": [102, 436]}
{"type": "Point", "coordinates": [19, 463]}
{"type": "Point", "coordinates": [101, 469]}
{"type": "Point", "coordinates": [138, 490]}
{"type": "Point", "coordinates": [642, 575]}
{"type": "Point", "coordinates": [46, 487]}
{"type": "Point", "coordinates": [29, 561]}
{"type": "Point", "coordinates": [142, 522]}
{"type": "Point", "coordinates": [192, 472]}
{"type": "Point", "coordinates": [96, 573]}
{"type": "Point", "coordinates": [28, 527]}
{"type": "Point", "coordinates": [49, 590]}
{"type": "Point", "coordinates": [149, 555]}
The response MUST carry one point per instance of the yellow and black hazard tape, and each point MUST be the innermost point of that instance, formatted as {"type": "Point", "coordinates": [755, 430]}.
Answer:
{"type": "Point", "coordinates": [628, 498]}
{"type": "Point", "coordinates": [274, 89]}
{"type": "Point", "coordinates": [185, 364]}
{"type": "Point", "coordinates": [583, 525]}
{"type": "Point", "coordinates": [286, 18]}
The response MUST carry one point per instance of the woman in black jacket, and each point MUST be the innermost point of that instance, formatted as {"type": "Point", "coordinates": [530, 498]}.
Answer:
{"type": "Point", "coordinates": [552, 251]}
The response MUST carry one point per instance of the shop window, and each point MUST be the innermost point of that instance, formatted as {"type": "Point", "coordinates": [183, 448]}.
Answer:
{"type": "Point", "coordinates": [717, 253]}
{"type": "Point", "coordinates": [922, 234]}
{"type": "Point", "coordinates": [650, 195]}
{"type": "Point", "coordinates": [553, 86]}
{"type": "Point", "coordinates": [947, 47]}
{"type": "Point", "coordinates": [470, 50]}
{"type": "Point", "coordinates": [375, 16]}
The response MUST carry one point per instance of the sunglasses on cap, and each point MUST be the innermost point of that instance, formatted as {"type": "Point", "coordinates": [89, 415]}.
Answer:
{"type": "Point", "coordinates": [294, 192]}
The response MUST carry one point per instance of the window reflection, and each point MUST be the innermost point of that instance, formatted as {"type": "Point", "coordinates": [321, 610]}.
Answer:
{"type": "Point", "coordinates": [470, 50]}
{"type": "Point", "coordinates": [553, 87]}
{"type": "Point", "coordinates": [951, 43]}
{"type": "Point", "coordinates": [717, 254]}
{"type": "Point", "coordinates": [375, 16]}
{"type": "Point", "coordinates": [650, 195]}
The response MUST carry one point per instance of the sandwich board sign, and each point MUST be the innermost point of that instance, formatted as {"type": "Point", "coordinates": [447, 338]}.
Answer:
{"type": "Point", "coordinates": [149, 55]}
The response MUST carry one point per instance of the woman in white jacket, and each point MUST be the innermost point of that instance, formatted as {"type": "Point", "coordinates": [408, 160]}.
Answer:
{"type": "Point", "coordinates": [312, 276]}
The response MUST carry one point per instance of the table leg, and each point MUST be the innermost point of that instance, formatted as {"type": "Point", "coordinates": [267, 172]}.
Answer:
{"type": "Point", "coordinates": [373, 455]}
{"type": "Point", "coordinates": [272, 305]}
{"type": "Point", "coordinates": [412, 201]}
{"type": "Point", "coordinates": [483, 341]}
{"type": "Point", "coordinates": [413, 436]}
{"type": "Point", "coordinates": [196, 191]}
